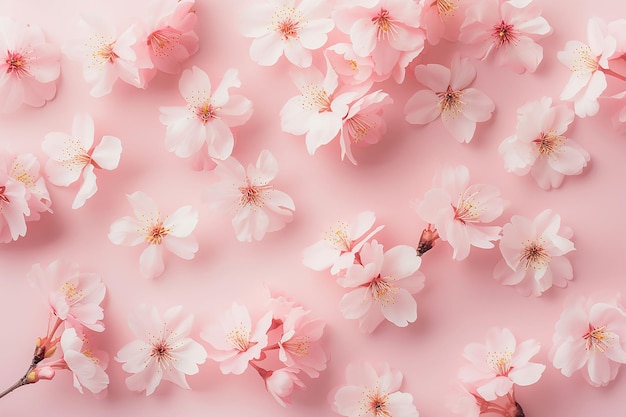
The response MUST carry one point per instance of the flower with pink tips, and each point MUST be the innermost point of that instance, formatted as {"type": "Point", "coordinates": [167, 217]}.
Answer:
{"type": "Point", "coordinates": [14, 208]}
{"type": "Point", "coordinates": [207, 117]}
{"type": "Point", "coordinates": [508, 31]}
{"type": "Point", "coordinates": [540, 146]}
{"type": "Point", "coordinates": [460, 107]}
{"type": "Point", "coordinates": [590, 337]}
{"type": "Point", "coordinates": [172, 232]}
{"type": "Point", "coordinates": [87, 367]}
{"type": "Point", "coordinates": [71, 155]}
{"type": "Point", "coordinates": [29, 66]}
{"type": "Point", "coordinates": [162, 350]}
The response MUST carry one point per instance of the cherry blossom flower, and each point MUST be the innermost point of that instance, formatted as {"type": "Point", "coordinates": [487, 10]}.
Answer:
{"type": "Point", "coordinates": [500, 364]}
{"type": "Point", "coordinates": [540, 146]}
{"type": "Point", "coordinates": [299, 346]}
{"type": "Point", "coordinates": [290, 27]}
{"type": "Point", "coordinates": [382, 286]}
{"type": "Point", "coordinates": [29, 66]}
{"type": "Point", "coordinates": [71, 155]}
{"type": "Point", "coordinates": [448, 97]}
{"type": "Point", "coordinates": [88, 368]}
{"type": "Point", "coordinates": [149, 226]}
{"type": "Point", "coordinates": [341, 244]}
{"type": "Point", "coordinates": [235, 343]}
{"type": "Point", "coordinates": [207, 117]}
{"type": "Point", "coordinates": [460, 211]}
{"type": "Point", "coordinates": [373, 392]}
{"type": "Point", "coordinates": [281, 383]}
{"type": "Point", "coordinates": [507, 30]}
{"type": "Point", "coordinates": [13, 208]}
{"type": "Point", "coordinates": [259, 207]}
{"type": "Point", "coordinates": [442, 19]}
{"type": "Point", "coordinates": [163, 349]}
{"type": "Point", "coordinates": [590, 334]}
{"type": "Point", "coordinates": [72, 295]}
{"type": "Point", "coordinates": [350, 68]}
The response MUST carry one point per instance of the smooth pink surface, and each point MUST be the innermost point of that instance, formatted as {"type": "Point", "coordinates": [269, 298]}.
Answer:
{"type": "Point", "coordinates": [459, 303]}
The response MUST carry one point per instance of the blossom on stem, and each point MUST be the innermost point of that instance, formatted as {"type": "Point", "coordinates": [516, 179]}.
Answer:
{"type": "Point", "coordinates": [88, 367]}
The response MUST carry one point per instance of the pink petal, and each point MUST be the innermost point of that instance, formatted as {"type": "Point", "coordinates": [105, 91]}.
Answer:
{"type": "Point", "coordinates": [126, 231]}
{"type": "Point", "coordinates": [107, 153]}
{"type": "Point", "coordinates": [355, 303]}
{"type": "Point", "coordinates": [151, 261]}
{"type": "Point", "coordinates": [422, 107]}
{"type": "Point", "coordinates": [267, 49]}
{"type": "Point", "coordinates": [403, 309]}
{"type": "Point", "coordinates": [400, 261]}
{"type": "Point", "coordinates": [459, 126]}
{"type": "Point", "coordinates": [478, 106]}
{"type": "Point", "coordinates": [193, 80]}
{"type": "Point", "coordinates": [87, 189]}
{"type": "Point", "coordinates": [325, 128]}
{"type": "Point", "coordinates": [298, 55]}
{"type": "Point", "coordinates": [570, 160]}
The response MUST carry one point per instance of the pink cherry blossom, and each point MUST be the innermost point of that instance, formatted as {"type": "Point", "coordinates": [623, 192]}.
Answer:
{"type": "Point", "coordinates": [13, 208]}
{"type": "Point", "coordinates": [259, 208]}
{"type": "Point", "coordinates": [540, 146]}
{"type": "Point", "coordinates": [533, 254]}
{"type": "Point", "coordinates": [466, 402]}
{"type": "Point", "coordinates": [371, 392]}
{"type": "Point", "coordinates": [72, 295]}
{"type": "Point", "coordinates": [163, 349]}
{"type": "Point", "coordinates": [590, 336]}
{"type": "Point", "coordinates": [149, 226]}
{"type": "Point", "coordinates": [290, 27]}
{"type": "Point", "coordinates": [448, 97]}
{"type": "Point", "coordinates": [382, 286]}
{"type": "Point", "coordinates": [207, 117]}
{"type": "Point", "coordinates": [341, 243]}
{"type": "Point", "coordinates": [281, 383]}
{"type": "Point", "coordinates": [508, 30]}
{"type": "Point", "coordinates": [442, 19]}
{"type": "Point", "coordinates": [235, 343]}
{"type": "Point", "coordinates": [460, 211]}
{"type": "Point", "coordinates": [29, 66]}
{"type": "Point", "coordinates": [87, 366]}
{"type": "Point", "coordinates": [74, 154]}
{"type": "Point", "coordinates": [351, 68]}
{"type": "Point", "coordinates": [500, 363]}
{"type": "Point", "coordinates": [299, 345]}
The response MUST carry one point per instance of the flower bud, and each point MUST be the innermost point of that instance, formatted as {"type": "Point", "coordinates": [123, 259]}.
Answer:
{"type": "Point", "coordinates": [38, 374]}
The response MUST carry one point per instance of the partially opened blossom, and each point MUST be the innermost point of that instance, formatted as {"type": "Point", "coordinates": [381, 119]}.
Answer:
{"type": "Point", "coordinates": [341, 244]}
{"type": "Point", "coordinates": [373, 392]}
{"type": "Point", "coordinates": [13, 208]}
{"type": "Point", "coordinates": [442, 19]}
{"type": "Point", "coordinates": [507, 30]}
{"type": "Point", "coordinates": [258, 207]}
{"type": "Point", "coordinates": [234, 340]}
{"type": "Point", "coordinates": [294, 28]}
{"type": "Point", "coordinates": [299, 345]}
{"type": "Point", "coordinates": [88, 367]}
{"type": "Point", "coordinates": [540, 146]}
{"type": "Point", "coordinates": [460, 107]}
{"type": "Point", "coordinates": [499, 364]}
{"type": "Point", "coordinates": [590, 336]}
{"type": "Point", "coordinates": [149, 226]}
{"type": "Point", "coordinates": [75, 154]}
{"type": "Point", "coordinates": [461, 212]}
{"type": "Point", "coordinates": [29, 66]}
{"type": "Point", "coordinates": [207, 117]}
{"type": "Point", "coordinates": [163, 349]}
{"type": "Point", "coordinates": [281, 383]}
{"type": "Point", "coordinates": [382, 286]}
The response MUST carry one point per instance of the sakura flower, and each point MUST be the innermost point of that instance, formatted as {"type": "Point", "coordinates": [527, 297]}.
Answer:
{"type": "Point", "coordinates": [290, 27]}
{"type": "Point", "coordinates": [442, 19]}
{"type": "Point", "coordinates": [341, 244]}
{"type": "Point", "coordinates": [13, 208]}
{"type": "Point", "coordinates": [382, 286]}
{"type": "Point", "coordinates": [351, 68]}
{"type": "Point", "coordinates": [540, 145]}
{"type": "Point", "coordinates": [373, 392]}
{"type": "Point", "coordinates": [149, 226]}
{"type": "Point", "coordinates": [74, 154]}
{"type": "Point", "coordinates": [299, 346]}
{"type": "Point", "coordinates": [281, 383]}
{"type": "Point", "coordinates": [207, 117]}
{"type": "Point", "coordinates": [460, 211]}
{"type": "Point", "coordinates": [590, 336]}
{"type": "Point", "coordinates": [449, 97]}
{"type": "Point", "coordinates": [500, 364]}
{"type": "Point", "coordinates": [259, 207]}
{"type": "Point", "coordinates": [508, 30]}
{"type": "Point", "coordinates": [29, 66]}
{"type": "Point", "coordinates": [88, 370]}
{"type": "Point", "coordinates": [72, 295]}
{"type": "Point", "coordinates": [163, 349]}
{"type": "Point", "coordinates": [235, 343]}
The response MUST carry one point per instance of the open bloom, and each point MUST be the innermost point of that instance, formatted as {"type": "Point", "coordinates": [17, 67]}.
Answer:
{"type": "Point", "coordinates": [149, 226]}
{"type": "Point", "coordinates": [371, 392]}
{"type": "Point", "coordinates": [459, 211]}
{"type": "Point", "coordinates": [299, 346]}
{"type": "Point", "coordinates": [74, 154]}
{"type": "Point", "coordinates": [29, 66]}
{"type": "Point", "coordinates": [259, 207]}
{"type": "Point", "coordinates": [338, 249]}
{"type": "Point", "coordinates": [449, 97]}
{"type": "Point", "coordinates": [507, 30]}
{"type": "Point", "coordinates": [281, 383]}
{"type": "Point", "coordinates": [500, 364]}
{"type": "Point", "coordinates": [13, 208]}
{"type": "Point", "coordinates": [540, 145]}
{"type": "Point", "coordinates": [207, 117]}
{"type": "Point", "coordinates": [290, 27]}
{"type": "Point", "coordinates": [87, 366]}
{"type": "Point", "coordinates": [590, 334]}
{"type": "Point", "coordinates": [235, 343]}
{"type": "Point", "coordinates": [382, 286]}
{"type": "Point", "coordinates": [163, 349]}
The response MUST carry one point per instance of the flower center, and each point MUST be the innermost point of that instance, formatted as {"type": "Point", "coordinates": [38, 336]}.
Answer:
{"type": "Point", "coordinates": [164, 41]}
{"type": "Point", "coordinates": [500, 362]}
{"type": "Point", "coordinates": [358, 126]}
{"type": "Point", "coordinates": [468, 208]}
{"type": "Point", "coordinates": [353, 65]}
{"type": "Point", "coordinates": [156, 233]}
{"type": "Point", "coordinates": [298, 346]}
{"type": "Point", "coordinates": [106, 54]}
{"type": "Point", "coordinates": [534, 255]}
{"type": "Point", "coordinates": [504, 34]}
{"type": "Point", "coordinates": [548, 143]}
{"type": "Point", "coordinates": [316, 98]}
{"type": "Point", "coordinates": [450, 102]}
{"type": "Point", "coordinates": [597, 339]}
{"type": "Point", "coordinates": [161, 351]}
{"type": "Point", "coordinates": [75, 156]}
{"type": "Point", "coordinates": [72, 294]}
{"type": "Point", "coordinates": [383, 291]}
{"type": "Point", "coordinates": [17, 64]}
{"type": "Point", "coordinates": [385, 25]}
{"type": "Point", "coordinates": [3, 196]}
{"type": "Point", "coordinates": [446, 8]}
{"type": "Point", "coordinates": [338, 237]}
{"type": "Point", "coordinates": [287, 21]}
{"type": "Point", "coordinates": [206, 112]}
{"type": "Point", "coordinates": [377, 404]}
{"type": "Point", "coordinates": [584, 61]}
{"type": "Point", "coordinates": [240, 338]}
{"type": "Point", "coordinates": [253, 194]}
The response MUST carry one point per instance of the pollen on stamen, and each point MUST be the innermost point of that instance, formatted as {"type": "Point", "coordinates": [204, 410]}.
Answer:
{"type": "Point", "coordinates": [383, 291]}
{"type": "Point", "coordinates": [207, 112]}
{"type": "Point", "coordinates": [253, 195]}
{"type": "Point", "coordinates": [385, 25]}
{"type": "Point", "coordinates": [375, 404]}
{"type": "Point", "coordinates": [597, 339]}
{"type": "Point", "coordinates": [156, 232]}
{"type": "Point", "coordinates": [164, 41]}
{"type": "Point", "coordinates": [504, 34]}
{"type": "Point", "coordinates": [534, 255]}
{"type": "Point", "coordinates": [71, 293]}
{"type": "Point", "coordinates": [358, 126]}
{"type": "Point", "coordinates": [102, 50]}
{"type": "Point", "coordinates": [585, 61]}
{"type": "Point", "coordinates": [17, 64]}
{"type": "Point", "coordinates": [468, 208]}
{"type": "Point", "coordinates": [450, 103]}
{"type": "Point", "coordinates": [75, 156]}
{"type": "Point", "coordinates": [287, 21]}
{"type": "Point", "coordinates": [315, 97]}
{"type": "Point", "coordinates": [446, 8]}
{"type": "Point", "coordinates": [500, 362]}
{"type": "Point", "coordinates": [549, 143]}
{"type": "Point", "coordinates": [239, 337]}
{"type": "Point", "coordinates": [338, 237]}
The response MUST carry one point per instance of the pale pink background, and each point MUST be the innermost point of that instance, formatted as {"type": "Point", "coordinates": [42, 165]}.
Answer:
{"type": "Point", "coordinates": [460, 300]}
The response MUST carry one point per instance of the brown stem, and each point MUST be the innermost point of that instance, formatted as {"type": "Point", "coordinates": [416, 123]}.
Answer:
{"type": "Point", "coordinates": [21, 382]}
{"type": "Point", "coordinates": [427, 240]}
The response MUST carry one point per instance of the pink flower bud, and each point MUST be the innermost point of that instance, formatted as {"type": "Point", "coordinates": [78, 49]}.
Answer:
{"type": "Point", "coordinates": [40, 373]}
